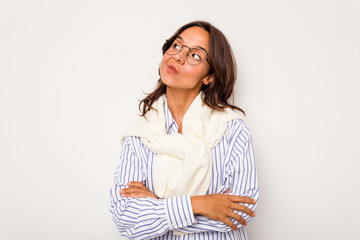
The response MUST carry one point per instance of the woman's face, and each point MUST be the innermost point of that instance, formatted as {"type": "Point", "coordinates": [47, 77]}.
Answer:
{"type": "Point", "coordinates": [177, 73]}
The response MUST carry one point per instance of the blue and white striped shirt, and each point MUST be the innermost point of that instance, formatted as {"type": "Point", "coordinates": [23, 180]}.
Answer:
{"type": "Point", "coordinates": [233, 169]}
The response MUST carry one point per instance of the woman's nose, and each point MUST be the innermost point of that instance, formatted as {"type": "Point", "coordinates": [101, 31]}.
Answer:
{"type": "Point", "coordinates": [181, 56]}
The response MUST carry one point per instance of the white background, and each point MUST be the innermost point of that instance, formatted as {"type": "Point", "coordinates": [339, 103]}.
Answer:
{"type": "Point", "coordinates": [71, 74]}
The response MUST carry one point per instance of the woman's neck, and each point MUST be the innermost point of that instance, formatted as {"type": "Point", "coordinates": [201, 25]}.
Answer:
{"type": "Point", "coordinates": [179, 102]}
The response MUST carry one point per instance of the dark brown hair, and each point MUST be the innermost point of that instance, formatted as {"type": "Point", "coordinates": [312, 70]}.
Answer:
{"type": "Point", "coordinates": [223, 68]}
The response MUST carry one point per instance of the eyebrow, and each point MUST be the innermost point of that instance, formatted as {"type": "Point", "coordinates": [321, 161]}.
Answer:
{"type": "Point", "coordinates": [197, 46]}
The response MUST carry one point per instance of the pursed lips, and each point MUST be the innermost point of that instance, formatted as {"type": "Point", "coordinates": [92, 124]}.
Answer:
{"type": "Point", "coordinates": [172, 69]}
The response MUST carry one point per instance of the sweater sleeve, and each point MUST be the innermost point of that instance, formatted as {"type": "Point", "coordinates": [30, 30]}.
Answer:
{"type": "Point", "coordinates": [144, 218]}
{"type": "Point", "coordinates": [240, 178]}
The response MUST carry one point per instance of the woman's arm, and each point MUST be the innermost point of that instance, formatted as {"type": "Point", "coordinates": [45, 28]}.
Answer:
{"type": "Point", "coordinates": [144, 218]}
{"type": "Point", "coordinates": [221, 207]}
{"type": "Point", "coordinates": [242, 182]}
{"type": "Point", "coordinates": [214, 206]}
{"type": "Point", "coordinates": [225, 212]}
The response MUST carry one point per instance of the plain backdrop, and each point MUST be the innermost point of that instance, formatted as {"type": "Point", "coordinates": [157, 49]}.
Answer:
{"type": "Point", "coordinates": [71, 75]}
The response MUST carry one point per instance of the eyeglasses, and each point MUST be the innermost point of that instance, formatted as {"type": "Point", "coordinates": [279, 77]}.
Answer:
{"type": "Point", "coordinates": [194, 56]}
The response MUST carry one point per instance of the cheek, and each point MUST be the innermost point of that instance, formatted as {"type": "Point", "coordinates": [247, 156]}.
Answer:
{"type": "Point", "coordinates": [195, 74]}
{"type": "Point", "coordinates": [163, 65]}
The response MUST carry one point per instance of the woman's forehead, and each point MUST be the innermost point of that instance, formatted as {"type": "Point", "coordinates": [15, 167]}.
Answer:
{"type": "Point", "coordinates": [195, 37]}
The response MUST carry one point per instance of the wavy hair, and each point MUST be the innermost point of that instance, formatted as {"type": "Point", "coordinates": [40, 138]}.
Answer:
{"type": "Point", "coordinates": [223, 68]}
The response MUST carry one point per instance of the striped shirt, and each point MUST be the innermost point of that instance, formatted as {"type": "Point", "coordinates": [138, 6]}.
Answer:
{"type": "Point", "coordinates": [233, 169]}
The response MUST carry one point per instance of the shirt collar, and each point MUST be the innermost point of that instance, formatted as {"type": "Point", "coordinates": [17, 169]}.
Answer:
{"type": "Point", "coordinates": [170, 124]}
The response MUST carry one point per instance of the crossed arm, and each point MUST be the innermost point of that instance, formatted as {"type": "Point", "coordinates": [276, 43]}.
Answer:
{"type": "Point", "coordinates": [219, 207]}
{"type": "Point", "coordinates": [139, 214]}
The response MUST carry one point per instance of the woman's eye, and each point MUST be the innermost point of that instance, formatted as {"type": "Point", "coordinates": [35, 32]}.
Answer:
{"type": "Point", "coordinates": [175, 46]}
{"type": "Point", "coordinates": [196, 56]}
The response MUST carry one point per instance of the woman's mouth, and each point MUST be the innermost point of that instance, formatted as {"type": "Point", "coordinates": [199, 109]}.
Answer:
{"type": "Point", "coordinates": [171, 69]}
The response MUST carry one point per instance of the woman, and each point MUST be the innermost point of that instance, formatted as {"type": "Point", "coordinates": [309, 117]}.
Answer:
{"type": "Point", "coordinates": [186, 167]}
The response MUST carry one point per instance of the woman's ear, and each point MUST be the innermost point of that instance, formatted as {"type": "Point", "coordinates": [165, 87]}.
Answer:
{"type": "Point", "coordinates": [208, 79]}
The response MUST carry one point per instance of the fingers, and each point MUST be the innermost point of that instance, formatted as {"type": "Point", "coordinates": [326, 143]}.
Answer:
{"type": "Point", "coordinates": [130, 190]}
{"type": "Point", "coordinates": [243, 209]}
{"type": "Point", "coordinates": [136, 184]}
{"type": "Point", "coordinates": [133, 190]}
{"type": "Point", "coordinates": [137, 190]}
{"type": "Point", "coordinates": [238, 218]}
{"type": "Point", "coordinates": [229, 223]}
{"type": "Point", "coordinates": [137, 195]}
{"type": "Point", "coordinates": [241, 199]}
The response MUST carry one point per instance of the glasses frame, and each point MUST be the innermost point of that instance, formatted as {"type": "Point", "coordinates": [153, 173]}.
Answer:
{"type": "Point", "coordinates": [187, 54]}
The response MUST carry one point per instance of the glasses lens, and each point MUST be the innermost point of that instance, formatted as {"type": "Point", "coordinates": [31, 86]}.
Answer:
{"type": "Point", "coordinates": [174, 48]}
{"type": "Point", "coordinates": [195, 56]}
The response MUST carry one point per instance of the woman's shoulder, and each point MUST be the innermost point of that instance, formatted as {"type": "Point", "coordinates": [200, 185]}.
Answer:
{"type": "Point", "coordinates": [133, 143]}
{"type": "Point", "coordinates": [237, 128]}
{"type": "Point", "coordinates": [237, 123]}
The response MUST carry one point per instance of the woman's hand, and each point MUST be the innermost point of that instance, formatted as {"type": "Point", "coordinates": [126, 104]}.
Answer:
{"type": "Point", "coordinates": [220, 207]}
{"type": "Point", "coordinates": [137, 190]}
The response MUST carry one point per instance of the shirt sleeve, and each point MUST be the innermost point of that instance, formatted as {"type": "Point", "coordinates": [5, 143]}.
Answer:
{"type": "Point", "coordinates": [144, 218]}
{"type": "Point", "coordinates": [241, 179]}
